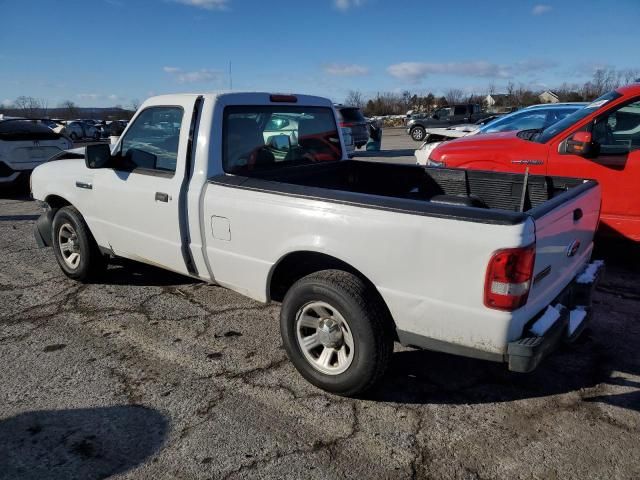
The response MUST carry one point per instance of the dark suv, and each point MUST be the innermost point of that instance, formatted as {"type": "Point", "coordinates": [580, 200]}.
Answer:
{"type": "Point", "coordinates": [353, 118]}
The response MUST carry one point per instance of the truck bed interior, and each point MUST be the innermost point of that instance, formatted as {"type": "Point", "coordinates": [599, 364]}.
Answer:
{"type": "Point", "coordinates": [439, 191]}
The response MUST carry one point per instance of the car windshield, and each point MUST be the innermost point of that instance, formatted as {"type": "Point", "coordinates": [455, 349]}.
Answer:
{"type": "Point", "coordinates": [263, 137]}
{"type": "Point", "coordinates": [529, 119]}
{"type": "Point", "coordinates": [553, 130]}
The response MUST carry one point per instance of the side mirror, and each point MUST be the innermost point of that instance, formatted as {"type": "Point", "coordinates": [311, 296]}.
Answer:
{"type": "Point", "coordinates": [580, 143]}
{"type": "Point", "coordinates": [97, 156]}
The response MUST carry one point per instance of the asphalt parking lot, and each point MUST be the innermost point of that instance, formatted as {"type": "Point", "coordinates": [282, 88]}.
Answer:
{"type": "Point", "coordinates": [147, 374]}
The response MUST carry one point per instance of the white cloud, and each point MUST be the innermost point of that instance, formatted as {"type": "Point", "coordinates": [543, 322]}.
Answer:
{"type": "Point", "coordinates": [541, 9]}
{"type": "Point", "coordinates": [416, 71]}
{"type": "Point", "coordinates": [345, 5]}
{"type": "Point", "coordinates": [6, 102]}
{"type": "Point", "coordinates": [346, 70]}
{"type": "Point", "coordinates": [89, 96]}
{"type": "Point", "coordinates": [204, 75]}
{"type": "Point", "coordinates": [206, 4]}
{"type": "Point", "coordinates": [113, 96]}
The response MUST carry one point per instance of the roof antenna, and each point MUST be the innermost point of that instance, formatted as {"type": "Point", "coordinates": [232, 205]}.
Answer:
{"type": "Point", "coordinates": [525, 185]}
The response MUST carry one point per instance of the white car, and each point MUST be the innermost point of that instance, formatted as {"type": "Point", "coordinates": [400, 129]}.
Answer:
{"type": "Point", "coordinates": [532, 117]}
{"type": "Point", "coordinates": [340, 243]}
{"type": "Point", "coordinates": [25, 144]}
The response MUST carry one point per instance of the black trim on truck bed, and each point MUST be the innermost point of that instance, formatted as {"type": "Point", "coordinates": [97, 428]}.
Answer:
{"type": "Point", "coordinates": [399, 205]}
{"type": "Point", "coordinates": [467, 195]}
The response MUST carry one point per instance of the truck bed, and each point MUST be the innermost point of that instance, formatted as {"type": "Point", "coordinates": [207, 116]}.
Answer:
{"type": "Point", "coordinates": [479, 196]}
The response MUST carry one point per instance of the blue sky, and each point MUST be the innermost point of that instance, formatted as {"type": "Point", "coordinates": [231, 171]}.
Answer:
{"type": "Point", "coordinates": [107, 52]}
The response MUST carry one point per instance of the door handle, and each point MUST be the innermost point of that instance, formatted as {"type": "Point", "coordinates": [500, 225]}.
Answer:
{"type": "Point", "coordinates": [162, 197]}
{"type": "Point", "coordinates": [577, 214]}
{"type": "Point", "coordinates": [85, 185]}
{"type": "Point", "coordinates": [527, 162]}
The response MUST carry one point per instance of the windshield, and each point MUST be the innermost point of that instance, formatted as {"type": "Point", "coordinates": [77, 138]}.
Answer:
{"type": "Point", "coordinates": [553, 130]}
{"type": "Point", "coordinates": [263, 137]}
{"type": "Point", "coordinates": [21, 129]}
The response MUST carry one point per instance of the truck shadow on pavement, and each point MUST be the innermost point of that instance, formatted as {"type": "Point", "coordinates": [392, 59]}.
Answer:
{"type": "Point", "coordinates": [87, 443]}
{"type": "Point", "coordinates": [127, 272]}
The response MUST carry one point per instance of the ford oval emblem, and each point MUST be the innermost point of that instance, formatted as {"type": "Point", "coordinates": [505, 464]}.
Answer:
{"type": "Point", "coordinates": [573, 248]}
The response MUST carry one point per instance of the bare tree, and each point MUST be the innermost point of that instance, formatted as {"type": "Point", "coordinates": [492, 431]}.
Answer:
{"type": "Point", "coordinates": [135, 104]}
{"type": "Point", "coordinates": [70, 110]}
{"type": "Point", "coordinates": [454, 95]}
{"type": "Point", "coordinates": [354, 98]}
{"type": "Point", "coordinates": [30, 107]}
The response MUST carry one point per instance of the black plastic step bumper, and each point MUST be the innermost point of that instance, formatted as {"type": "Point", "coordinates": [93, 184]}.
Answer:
{"type": "Point", "coordinates": [574, 310]}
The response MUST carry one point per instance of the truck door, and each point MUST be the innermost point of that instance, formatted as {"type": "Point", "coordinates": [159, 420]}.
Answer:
{"type": "Point", "coordinates": [615, 165]}
{"type": "Point", "coordinates": [138, 200]}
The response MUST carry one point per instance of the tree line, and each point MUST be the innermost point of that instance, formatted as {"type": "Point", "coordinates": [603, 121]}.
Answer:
{"type": "Point", "coordinates": [31, 107]}
{"type": "Point", "coordinates": [513, 95]}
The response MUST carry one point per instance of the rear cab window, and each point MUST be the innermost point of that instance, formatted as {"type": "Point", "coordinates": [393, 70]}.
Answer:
{"type": "Point", "coordinates": [264, 137]}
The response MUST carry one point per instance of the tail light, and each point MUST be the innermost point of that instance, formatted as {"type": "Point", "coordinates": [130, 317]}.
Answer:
{"type": "Point", "coordinates": [346, 124]}
{"type": "Point", "coordinates": [509, 277]}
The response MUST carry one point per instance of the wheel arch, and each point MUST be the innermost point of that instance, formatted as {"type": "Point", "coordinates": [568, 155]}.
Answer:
{"type": "Point", "coordinates": [293, 266]}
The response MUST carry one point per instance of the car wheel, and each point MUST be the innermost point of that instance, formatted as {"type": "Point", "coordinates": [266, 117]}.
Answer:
{"type": "Point", "coordinates": [418, 133]}
{"type": "Point", "coordinates": [75, 249]}
{"type": "Point", "coordinates": [336, 331]}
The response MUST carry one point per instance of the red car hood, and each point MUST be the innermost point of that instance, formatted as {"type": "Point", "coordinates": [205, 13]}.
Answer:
{"type": "Point", "coordinates": [488, 141]}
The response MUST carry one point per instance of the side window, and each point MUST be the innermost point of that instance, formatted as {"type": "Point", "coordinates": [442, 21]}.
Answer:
{"type": "Point", "coordinates": [618, 132]}
{"type": "Point", "coordinates": [461, 110]}
{"type": "Point", "coordinates": [443, 113]}
{"type": "Point", "coordinates": [152, 140]}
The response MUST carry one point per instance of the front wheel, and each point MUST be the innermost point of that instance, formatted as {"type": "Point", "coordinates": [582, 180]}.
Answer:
{"type": "Point", "coordinates": [418, 133]}
{"type": "Point", "coordinates": [336, 332]}
{"type": "Point", "coordinates": [75, 249]}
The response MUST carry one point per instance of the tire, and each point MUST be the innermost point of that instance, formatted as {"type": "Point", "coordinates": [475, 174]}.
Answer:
{"type": "Point", "coordinates": [418, 133]}
{"type": "Point", "coordinates": [71, 236]}
{"type": "Point", "coordinates": [359, 354]}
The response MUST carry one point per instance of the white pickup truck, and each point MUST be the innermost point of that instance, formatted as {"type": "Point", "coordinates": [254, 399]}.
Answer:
{"type": "Point", "coordinates": [482, 264]}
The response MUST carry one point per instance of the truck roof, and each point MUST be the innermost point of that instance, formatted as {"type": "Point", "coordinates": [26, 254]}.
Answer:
{"type": "Point", "coordinates": [249, 98]}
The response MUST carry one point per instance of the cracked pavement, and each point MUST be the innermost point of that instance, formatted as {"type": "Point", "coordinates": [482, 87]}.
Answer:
{"type": "Point", "coordinates": [150, 375]}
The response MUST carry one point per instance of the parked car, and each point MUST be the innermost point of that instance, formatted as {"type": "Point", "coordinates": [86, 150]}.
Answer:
{"type": "Point", "coordinates": [77, 130]}
{"type": "Point", "coordinates": [535, 116]}
{"type": "Point", "coordinates": [339, 242]}
{"type": "Point", "coordinates": [445, 117]}
{"type": "Point", "coordinates": [353, 118]}
{"type": "Point", "coordinates": [600, 141]}
{"type": "Point", "coordinates": [25, 144]}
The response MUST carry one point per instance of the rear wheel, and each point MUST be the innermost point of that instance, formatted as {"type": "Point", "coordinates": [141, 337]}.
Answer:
{"type": "Point", "coordinates": [75, 249]}
{"type": "Point", "coordinates": [418, 133]}
{"type": "Point", "coordinates": [336, 332]}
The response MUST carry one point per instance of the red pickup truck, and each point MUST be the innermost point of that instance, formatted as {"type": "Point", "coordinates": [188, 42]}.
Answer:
{"type": "Point", "coordinates": [600, 141]}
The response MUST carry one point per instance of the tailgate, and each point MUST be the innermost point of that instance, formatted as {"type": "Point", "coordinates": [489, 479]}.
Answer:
{"type": "Point", "coordinates": [565, 226]}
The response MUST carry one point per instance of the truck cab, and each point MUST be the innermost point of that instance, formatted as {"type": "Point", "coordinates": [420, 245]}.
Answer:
{"type": "Point", "coordinates": [601, 141]}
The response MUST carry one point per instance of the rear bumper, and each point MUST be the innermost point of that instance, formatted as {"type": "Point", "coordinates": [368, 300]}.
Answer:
{"type": "Point", "coordinates": [572, 311]}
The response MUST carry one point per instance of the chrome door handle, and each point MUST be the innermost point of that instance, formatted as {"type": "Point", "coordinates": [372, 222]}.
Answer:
{"type": "Point", "coordinates": [162, 197]}
{"type": "Point", "coordinates": [85, 185]}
